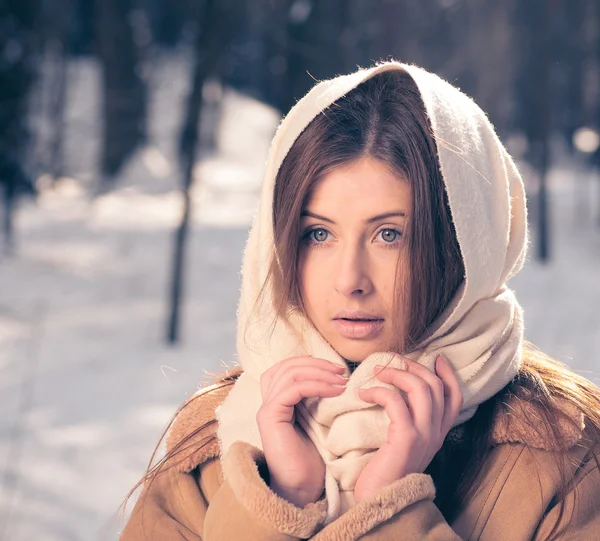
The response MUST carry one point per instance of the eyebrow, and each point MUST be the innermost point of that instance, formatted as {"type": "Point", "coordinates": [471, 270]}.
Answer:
{"type": "Point", "coordinates": [368, 221]}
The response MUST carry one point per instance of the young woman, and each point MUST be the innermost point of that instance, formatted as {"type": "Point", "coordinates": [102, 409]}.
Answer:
{"type": "Point", "coordinates": [385, 390]}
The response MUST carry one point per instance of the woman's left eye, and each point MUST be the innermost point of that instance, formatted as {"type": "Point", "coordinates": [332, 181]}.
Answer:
{"type": "Point", "coordinates": [389, 235]}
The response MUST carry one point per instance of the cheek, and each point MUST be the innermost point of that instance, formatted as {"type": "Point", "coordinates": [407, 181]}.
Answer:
{"type": "Point", "coordinates": [384, 278]}
{"type": "Point", "coordinates": [389, 273]}
{"type": "Point", "coordinates": [313, 283]}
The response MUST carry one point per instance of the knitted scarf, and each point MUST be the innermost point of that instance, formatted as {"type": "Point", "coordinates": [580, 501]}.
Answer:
{"type": "Point", "coordinates": [480, 332]}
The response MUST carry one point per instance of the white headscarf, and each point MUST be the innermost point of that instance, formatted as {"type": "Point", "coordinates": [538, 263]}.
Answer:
{"type": "Point", "coordinates": [481, 332]}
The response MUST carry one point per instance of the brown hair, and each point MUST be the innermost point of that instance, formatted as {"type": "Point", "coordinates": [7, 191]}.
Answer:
{"type": "Point", "coordinates": [384, 118]}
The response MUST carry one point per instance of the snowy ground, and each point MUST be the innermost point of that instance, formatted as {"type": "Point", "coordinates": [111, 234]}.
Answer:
{"type": "Point", "coordinates": [86, 382]}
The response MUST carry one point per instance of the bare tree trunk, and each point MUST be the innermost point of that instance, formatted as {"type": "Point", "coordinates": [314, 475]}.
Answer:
{"type": "Point", "coordinates": [17, 73]}
{"type": "Point", "coordinates": [8, 217]}
{"type": "Point", "coordinates": [535, 98]}
{"type": "Point", "coordinates": [573, 51]}
{"type": "Point", "coordinates": [124, 105]}
{"type": "Point", "coordinates": [216, 28]}
{"type": "Point", "coordinates": [56, 51]}
{"type": "Point", "coordinates": [542, 84]}
{"type": "Point", "coordinates": [57, 158]}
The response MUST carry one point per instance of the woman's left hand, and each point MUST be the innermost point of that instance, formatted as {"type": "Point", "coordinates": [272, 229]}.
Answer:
{"type": "Point", "coordinates": [419, 424]}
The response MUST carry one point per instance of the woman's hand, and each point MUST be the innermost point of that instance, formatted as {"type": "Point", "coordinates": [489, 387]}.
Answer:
{"type": "Point", "coordinates": [419, 424]}
{"type": "Point", "coordinates": [297, 471]}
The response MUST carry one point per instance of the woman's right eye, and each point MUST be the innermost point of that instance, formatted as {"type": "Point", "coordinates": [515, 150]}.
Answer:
{"type": "Point", "coordinates": [316, 235]}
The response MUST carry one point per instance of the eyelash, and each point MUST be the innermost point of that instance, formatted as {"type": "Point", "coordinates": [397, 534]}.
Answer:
{"type": "Point", "coordinates": [320, 244]}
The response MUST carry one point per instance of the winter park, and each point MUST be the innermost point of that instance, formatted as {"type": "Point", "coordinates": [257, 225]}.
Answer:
{"type": "Point", "coordinates": [118, 112]}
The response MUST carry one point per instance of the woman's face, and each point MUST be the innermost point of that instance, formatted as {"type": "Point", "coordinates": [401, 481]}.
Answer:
{"type": "Point", "coordinates": [352, 229]}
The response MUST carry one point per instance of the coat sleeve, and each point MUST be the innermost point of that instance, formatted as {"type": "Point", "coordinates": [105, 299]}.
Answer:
{"type": "Point", "coordinates": [245, 508]}
{"type": "Point", "coordinates": [420, 521]}
{"type": "Point", "coordinates": [198, 506]}
{"type": "Point", "coordinates": [402, 510]}
{"type": "Point", "coordinates": [170, 507]}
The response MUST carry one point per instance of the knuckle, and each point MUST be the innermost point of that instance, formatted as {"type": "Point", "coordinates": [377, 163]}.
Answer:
{"type": "Point", "coordinates": [299, 386]}
{"type": "Point", "coordinates": [293, 373]}
{"type": "Point", "coordinates": [396, 399]}
{"type": "Point", "coordinates": [412, 436]}
{"type": "Point", "coordinates": [422, 386]}
{"type": "Point", "coordinates": [260, 416]}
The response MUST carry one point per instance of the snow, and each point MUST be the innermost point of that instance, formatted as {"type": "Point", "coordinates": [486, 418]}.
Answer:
{"type": "Point", "coordinates": [561, 298]}
{"type": "Point", "coordinates": [87, 384]}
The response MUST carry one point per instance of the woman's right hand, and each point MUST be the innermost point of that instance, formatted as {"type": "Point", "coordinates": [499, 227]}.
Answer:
{"type": "Point", "coordinates": [297, 471]}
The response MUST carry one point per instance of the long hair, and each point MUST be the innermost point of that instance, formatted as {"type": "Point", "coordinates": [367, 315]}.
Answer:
{"type": "Point", "coordinates": [384, 118]}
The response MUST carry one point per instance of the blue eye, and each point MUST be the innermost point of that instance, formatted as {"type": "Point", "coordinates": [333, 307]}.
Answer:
{"type": "Point", "coordinates": [317, 235]}
{"type": "Point", "coordinates": [390, 235]}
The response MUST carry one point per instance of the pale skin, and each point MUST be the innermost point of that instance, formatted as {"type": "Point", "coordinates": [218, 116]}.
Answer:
{"type": "Point", "coordinates": [352, 228]}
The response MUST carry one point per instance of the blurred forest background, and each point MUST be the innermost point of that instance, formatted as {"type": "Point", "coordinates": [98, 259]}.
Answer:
{"type": "Point", "coordinates": [534, 67]}
{"type": "Point", "coordinates": [132, 139]}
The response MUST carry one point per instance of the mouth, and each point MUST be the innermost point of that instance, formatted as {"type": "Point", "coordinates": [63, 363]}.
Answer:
{"type": "Point", "coordinates": [360, 318]}
{"type": "Point", "coordinates": [359, 328]}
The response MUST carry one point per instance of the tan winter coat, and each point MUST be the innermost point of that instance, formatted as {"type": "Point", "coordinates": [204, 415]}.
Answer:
{"type": "Point", "coordinates": [515, 499]}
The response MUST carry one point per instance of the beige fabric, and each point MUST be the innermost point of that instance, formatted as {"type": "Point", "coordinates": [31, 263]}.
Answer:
{"type": "Point", "coordinates": [481, 332]}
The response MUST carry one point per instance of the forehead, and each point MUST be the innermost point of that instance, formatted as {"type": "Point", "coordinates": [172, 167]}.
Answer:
{"type": "Point", "coordinates": [364, 184]}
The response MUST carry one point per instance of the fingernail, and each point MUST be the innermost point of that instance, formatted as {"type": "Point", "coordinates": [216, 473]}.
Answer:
{"type": "Point", "coordinates": [341, 376]}
{"type": "Point", "coordinates": [342, 386]}
{"type": "Point", "coordinates": [441, 359]}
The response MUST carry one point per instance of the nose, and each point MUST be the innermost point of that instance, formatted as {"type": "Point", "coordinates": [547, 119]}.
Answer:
{"type": "Point", "coordinates": [352, 273]}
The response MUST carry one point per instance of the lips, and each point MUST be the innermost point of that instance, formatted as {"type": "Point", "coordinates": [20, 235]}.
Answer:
{"type": "Point", "coordinates": [361, 315]}
{"type": "Point", "coordinates": [358, 326]}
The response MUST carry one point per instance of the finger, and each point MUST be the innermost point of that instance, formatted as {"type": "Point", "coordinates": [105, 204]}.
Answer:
{"type": "Point", "coordinates": [436, 386]}
{"type": "Point", "coordinates": [291, 371]}
{"type": "Point", "coordinates": [453, 395]}
{"type": "Point", "coordinates": [302, 373]}
{"type": "Point", "coordinates": [305, 360]}
{"type": "Point", "coordinates": [292, 395]}
{"type": "Point", "coordinates": [389, 399]}
{"type": "Point", "coordinates": [280, 408]}
{"type": "Point", "coordinates": [418, 395]}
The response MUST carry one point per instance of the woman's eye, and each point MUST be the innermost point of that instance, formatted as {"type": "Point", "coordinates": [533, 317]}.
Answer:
{"type": "Point", "coordinates": [317, 235]}
{"type": "Point", "coordinates": [389, 235]}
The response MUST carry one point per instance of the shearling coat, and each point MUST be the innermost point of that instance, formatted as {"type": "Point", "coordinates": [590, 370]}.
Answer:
{"type": "Point", "coordinates": [514, 501]}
